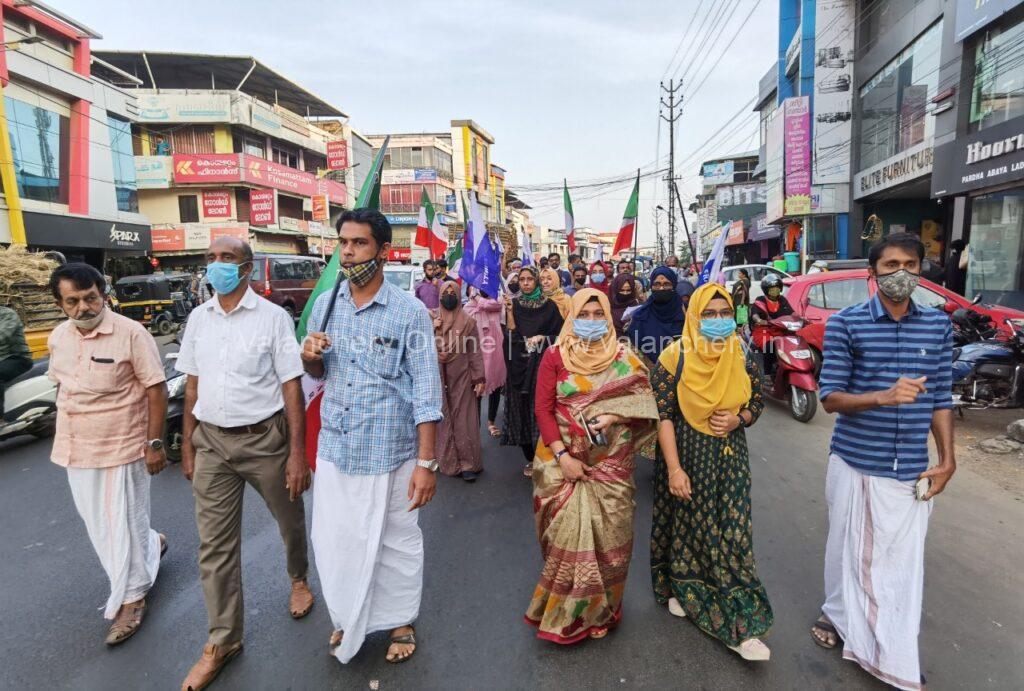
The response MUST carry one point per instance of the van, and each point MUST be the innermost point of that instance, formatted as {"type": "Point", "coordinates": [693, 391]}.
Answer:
{"type": "Point", "coordinates": [286, 279]}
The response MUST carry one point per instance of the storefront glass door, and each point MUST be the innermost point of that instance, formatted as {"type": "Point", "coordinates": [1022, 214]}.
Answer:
{"type": "Point", "coordinates": [996, 265]}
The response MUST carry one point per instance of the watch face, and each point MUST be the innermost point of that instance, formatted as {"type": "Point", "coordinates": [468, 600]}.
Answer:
{"type": "Point", "coordinates": [156, 444]}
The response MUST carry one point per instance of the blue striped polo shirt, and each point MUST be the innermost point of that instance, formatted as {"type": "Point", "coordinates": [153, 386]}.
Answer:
{"type": "Point", "coordinates": [867, 350]}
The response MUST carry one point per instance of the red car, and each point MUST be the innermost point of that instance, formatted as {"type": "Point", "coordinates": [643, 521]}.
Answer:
{"type": "Point", "coordinates": [816, 297]}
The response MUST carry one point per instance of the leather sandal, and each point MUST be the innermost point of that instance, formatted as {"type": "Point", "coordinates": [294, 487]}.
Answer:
{"type": "Point", "coordinates": [404, 639]}
{"type": "Point", "coordinates": [824, 626]}
{"type": "Point", "coordinates": [127, 622]}
{"type": "Point", "coordinates": [214, 658]}
{"type": "Point", "coordinates": [301, 600]}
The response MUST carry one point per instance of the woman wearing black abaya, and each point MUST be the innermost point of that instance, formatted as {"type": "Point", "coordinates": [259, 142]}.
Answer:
{"type": "Point", "coordinates": [534, 323]}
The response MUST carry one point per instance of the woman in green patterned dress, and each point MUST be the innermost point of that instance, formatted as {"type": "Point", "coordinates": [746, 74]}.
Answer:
{"type": "Point", "coordinates": [702, 552]}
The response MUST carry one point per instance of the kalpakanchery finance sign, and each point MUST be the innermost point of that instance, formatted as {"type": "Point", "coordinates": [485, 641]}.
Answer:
{"type": "Point", "coordinates": [208, 168]}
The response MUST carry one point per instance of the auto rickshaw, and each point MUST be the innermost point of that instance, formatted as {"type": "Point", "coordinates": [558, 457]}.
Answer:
{"type": "Point", "coordinates": [161, 302]}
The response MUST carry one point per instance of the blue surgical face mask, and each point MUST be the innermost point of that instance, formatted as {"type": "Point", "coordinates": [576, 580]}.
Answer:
{"type": "Point", "coordinates": [597, 278]}
{"type": "Point", "coordinates": [590, 329]}
{"type": "Point", "coordinates": [717, 328]}
{"type": "Point", "coordinates": [223, 276]}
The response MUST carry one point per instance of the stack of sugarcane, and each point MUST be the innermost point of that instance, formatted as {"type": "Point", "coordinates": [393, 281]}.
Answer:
{"type": "Point", "coordinates": [24, 279]}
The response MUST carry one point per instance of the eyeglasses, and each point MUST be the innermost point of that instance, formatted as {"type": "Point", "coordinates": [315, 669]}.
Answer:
{"type": "Point", "coordinates": [722, 314]}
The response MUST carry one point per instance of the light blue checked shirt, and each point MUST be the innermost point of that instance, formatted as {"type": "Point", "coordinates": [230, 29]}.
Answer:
{"type": "Point", "coordinates": [382, 380]}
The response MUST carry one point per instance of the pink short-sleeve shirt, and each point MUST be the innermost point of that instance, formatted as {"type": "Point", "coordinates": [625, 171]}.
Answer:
{"type": "Point", "coordinates": [103, 375]}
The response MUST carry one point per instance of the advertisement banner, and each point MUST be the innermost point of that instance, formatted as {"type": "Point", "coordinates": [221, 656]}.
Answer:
{"type": "Point", "coordinates": [337, 154]}
{"type": "Point", "coordinates": [216, 203]}
{"type": "Point", "coordinates": [195, 236]}
{"type": "Point", "coordinates": [774, 178]}
{"type": "Point", "coordinates": [718, 173]}
{"type": "Point", "coordinates": [153, 172]}
{"type": "Point", "coordinates": [972, 15]}
{"type": "Point", "coordinates": [833, 95]}
{"type": "Point", "coordinates": [262, 211]}
{"type": "Point", "coordinates": [206, 168]}
{"type": "Point", "coordinates": [168, 239]}
{"type": "Point", "coordinates": [735, 236]}
{"type": "Point", "coordinates": [184, 108]}
{"type": "Point", "coordinates": [993, 156]}
{"type": "Point", "coordinates": [449, 204]}
{"type": "Point", "coordinates": [797, 142]}
{"type": "Point", "coordinates": [270, 174]}
{"type": "Point", "coordinates": [319, 207]}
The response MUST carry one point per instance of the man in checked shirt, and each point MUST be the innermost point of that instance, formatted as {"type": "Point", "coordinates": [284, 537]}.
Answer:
{"type": "Point", "coordinates": [375, 458]}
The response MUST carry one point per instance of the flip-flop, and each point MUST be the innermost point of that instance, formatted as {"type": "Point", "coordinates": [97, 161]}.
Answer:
{"type": "Point", "coordinates": [826, 626]}
{"type": "Point", "coordinates": [404, 639]}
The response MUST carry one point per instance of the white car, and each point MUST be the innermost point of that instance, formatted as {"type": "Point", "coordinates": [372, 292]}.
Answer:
{"type": "Point", "coordinates": [403, 276]}
{"type": "Point", "coordinates": [756, 271]}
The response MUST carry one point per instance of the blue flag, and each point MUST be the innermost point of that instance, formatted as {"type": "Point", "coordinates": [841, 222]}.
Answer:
{"type": "Point", "coordinates": [481, 260]}
{"type": "Point", "coordinates": [713, 264]}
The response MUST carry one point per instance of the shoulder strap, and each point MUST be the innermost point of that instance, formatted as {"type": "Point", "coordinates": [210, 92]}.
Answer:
{"type": "Point", "coordinates": [679, 366]}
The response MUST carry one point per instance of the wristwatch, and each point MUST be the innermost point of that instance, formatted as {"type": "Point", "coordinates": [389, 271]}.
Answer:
{"type": "Point", "coordinates": [430, 465]}
{"type": "Point", "coordinates": [559, 454]}
{"type": "Point", "coordinates": [155, 444]}
{"type": "Point", "coordinates": [743, 423]}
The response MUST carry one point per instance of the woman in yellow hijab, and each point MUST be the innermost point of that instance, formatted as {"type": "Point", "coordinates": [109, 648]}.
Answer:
{"type": "Point", "coordinates": [702, 549]}
{"type": "Point", "coordinates": [551, 284]}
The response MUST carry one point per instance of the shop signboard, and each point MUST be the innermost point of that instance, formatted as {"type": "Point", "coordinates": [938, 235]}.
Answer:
{"type": "Point", "coordinates": [993, 156]}
{"type": "Point", "coordinates": [206, 168]}
{"type": "Point", "coordinates": [62, 230]}
{"type": "Point", "coordinates": [830, 199]}
{"type": "Point", "coordinates": [264, 119]}
{"type": "Point", "coordinates": [833, 95]}
{"type": "Point", "coordinates": [153, 172]}
{"type": "Point", "coordinates": [397, 220]}
{"type": "Point", "coordinates": [903, 167]}
{"type": "Point", "coordinates": [720, 173]}
{"type": "Point", "coordinates": [408, 176]}
{"type": "Point", "coordinates": [972, 15]}
{"type": "Point", "coordinates": [319, 209]}
{"type": "Point", "coordinates": [740, 201]}
{"type": "Point", "coordinates": [337, 154]}
{"type": "Point", "coordinates": [735, 236]}
{"type": "Point", "coordinates": [216, 203]}
{"type": "Point", "coordinates": [774, 177]}
{"type": "Point", "coordinates": [266, 173]}
{"type": "Point", "coordinates": [184, 108]}
{"type": "Point", "coordinates": [797, 142]}
{"type": "Point", "coordinates": [760, 230]}
{"type": "Point", "coordinates": [449, 204]}
{"type": "Point", "coordinates": [195, 236]}
{"type": "Point", "coordinates": [262, 210]}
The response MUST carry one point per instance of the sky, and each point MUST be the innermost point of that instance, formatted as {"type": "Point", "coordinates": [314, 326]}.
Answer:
{"type": "Point", "coordinates": [568, 88]}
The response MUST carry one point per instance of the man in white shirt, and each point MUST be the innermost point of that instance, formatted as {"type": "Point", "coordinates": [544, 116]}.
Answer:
{"type": "Point", "coordinates": [244, 423]}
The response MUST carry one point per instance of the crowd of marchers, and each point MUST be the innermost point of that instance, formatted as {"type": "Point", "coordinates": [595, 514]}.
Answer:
{"type": "Point", "coordinates": [586, 372]}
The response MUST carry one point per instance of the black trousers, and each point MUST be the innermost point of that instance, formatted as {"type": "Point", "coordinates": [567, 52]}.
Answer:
{"type": "Point", "coordinates": [493, 401]}
{"type": "Point", "coordinates": [12, 367]}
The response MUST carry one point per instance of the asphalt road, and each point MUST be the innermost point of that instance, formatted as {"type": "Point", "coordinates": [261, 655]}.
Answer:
{"type": "Point", "coordinates": [482, 564]}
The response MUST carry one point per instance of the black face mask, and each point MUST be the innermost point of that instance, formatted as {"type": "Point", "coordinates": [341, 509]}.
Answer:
{"type": "Point", "coordinates": [513, 286]}
{"type": "Point", "coordinates": [449, 301]}
{"type": "Point", "coordinates": [662, 295]}
{"type": "Point", "coordinates": [581, 281]}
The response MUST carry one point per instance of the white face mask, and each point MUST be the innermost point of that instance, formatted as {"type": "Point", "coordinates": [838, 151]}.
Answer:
{"type": "Point", "coordinates": [89, 324]}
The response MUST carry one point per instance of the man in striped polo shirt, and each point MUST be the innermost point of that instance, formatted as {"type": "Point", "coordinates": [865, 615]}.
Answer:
{"type": "Point", "coordinates": [888, 373]}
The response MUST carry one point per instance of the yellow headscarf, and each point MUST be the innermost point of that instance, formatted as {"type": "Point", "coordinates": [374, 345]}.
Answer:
{"type": "Point", "coordinates": [587, 357]}
{"type": "Point", "coordinates": [714, 374]}
{"type": "Point", "coordinates": [557, 295]}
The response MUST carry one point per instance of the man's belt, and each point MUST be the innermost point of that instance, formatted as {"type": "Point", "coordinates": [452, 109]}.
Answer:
{"type": "Point", "coordinates": [255, 428]}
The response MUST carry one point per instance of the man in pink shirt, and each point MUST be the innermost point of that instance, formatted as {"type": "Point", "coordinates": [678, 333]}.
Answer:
{"type": "Point", "coordinates": [111, 404]}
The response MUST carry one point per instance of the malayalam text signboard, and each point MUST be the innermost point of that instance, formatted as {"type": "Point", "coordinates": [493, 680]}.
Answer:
{"type": "Point", "coordinates": [262, 211]}
{"type": "Point", "coordinates": [319, 207]}
{"type": "Point", "coordinates": [337, 154]}
{"type": "Point", "coordinates": [206, 168]}
{"type": "Point", "coordinates": [797, 142]}
{"type": "Point", "coordinates": [216, 204]}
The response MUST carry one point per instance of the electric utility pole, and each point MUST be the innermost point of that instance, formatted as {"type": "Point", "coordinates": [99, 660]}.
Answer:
{"type": "Point", "coordinates": [674, 108]}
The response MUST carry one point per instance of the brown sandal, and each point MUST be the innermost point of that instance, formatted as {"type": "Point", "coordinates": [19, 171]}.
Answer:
{"type": "Point", "coordinates": [404, 639]}
{"type": "Point", "coordinates": [127, 623]}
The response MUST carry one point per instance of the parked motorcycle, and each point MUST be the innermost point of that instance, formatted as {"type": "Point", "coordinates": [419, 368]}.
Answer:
{"type": "Point", "coordinates": [971, 326]}
{"type": "Point", "coordinates": [29, 404]}
{"type": "Point", "coordinates": [793, 381]}
{"type": "Point", "coordinates": [989, 373]}
{"type": "Point", "coordinates": [173, 427]}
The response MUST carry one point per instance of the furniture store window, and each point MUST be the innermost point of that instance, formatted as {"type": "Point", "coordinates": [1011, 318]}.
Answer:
{"type": "Point", "coordinates": [39, 144]}
{"type": "Point", "coordinates": [997, 85]}
{"type": "Point", "coordinates": [893, 104]}
{"type": "Point", "coordinates": [124, 164]}
{"type": "Point", "coordinates": [995, 267]}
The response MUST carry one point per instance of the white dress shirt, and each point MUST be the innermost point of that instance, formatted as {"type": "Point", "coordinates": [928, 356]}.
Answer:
{"type": "Point", "coordinates": [241, 359]}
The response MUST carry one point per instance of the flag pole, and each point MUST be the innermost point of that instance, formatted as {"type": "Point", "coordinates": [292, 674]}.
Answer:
{"type": "Point", "coordinates": [636, 225]}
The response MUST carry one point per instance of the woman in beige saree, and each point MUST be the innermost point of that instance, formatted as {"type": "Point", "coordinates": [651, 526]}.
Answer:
{"type": "Point", "coordinates": [583, 476]}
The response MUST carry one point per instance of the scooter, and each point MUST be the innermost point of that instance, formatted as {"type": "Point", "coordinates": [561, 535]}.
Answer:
{"type": "Point", "coordinates": [989, 374]}
{"type": "Point", "coordinates": [29, 404]}
{"type": "Point", "coordinates": [793, 380]}
{"type": "Point", "coordinates": [971, 326]}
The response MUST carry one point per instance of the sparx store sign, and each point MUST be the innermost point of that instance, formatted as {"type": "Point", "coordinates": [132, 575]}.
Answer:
{"type": "Point", "coordinates": [903, 167]}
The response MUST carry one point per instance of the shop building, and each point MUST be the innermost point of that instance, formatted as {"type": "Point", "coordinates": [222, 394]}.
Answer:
{"type": "Point", "coordinates": [731, 198]}
{"type": "Point", "coordinates": [224, 145]}
{"type": "Point", "coordinates": [897, 77]}
{"type": "Point", "coordinates": [807, 154]}
{"type": "Point", "coordinates": [979, 136]}
{"type": "Point", "coordinates": [414, 163]}
{"type": "Point", "coordinates": [68, 176]}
